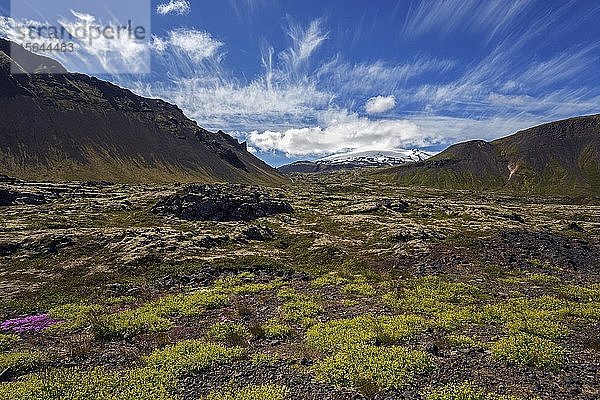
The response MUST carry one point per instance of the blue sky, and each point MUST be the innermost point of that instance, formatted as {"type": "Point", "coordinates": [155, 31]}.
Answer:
{"type": "Point", "coordinates": [304, 79]}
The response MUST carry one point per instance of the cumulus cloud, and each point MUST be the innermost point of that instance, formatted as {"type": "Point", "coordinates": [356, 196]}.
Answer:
{"type": "Point", "coordinates": [196, 45]}
{"type": "Point", "coordinates": [380, 104]}
{"type": "Point", "coordinates": [340, 131]}
{"type": "Point", "coordinates": [179, 7]}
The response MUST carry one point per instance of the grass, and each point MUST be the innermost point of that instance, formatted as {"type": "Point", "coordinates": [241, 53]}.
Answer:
{"type": "Point", "coordinates": [251, 392]}
{"type": "Point", "coordinates": [228, 332]}
{"type": "Point", "coordinates": [464, 391]}
{"type": "Point", "coordinates": [524, 349]}
{"type": "Point", "coordinates": [370, 369]}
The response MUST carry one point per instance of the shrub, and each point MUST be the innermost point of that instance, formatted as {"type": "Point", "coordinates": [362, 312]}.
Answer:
{"type": "Point", "coordinates": [252, 392]}
{"type": "Point", "coordinates": [227, 332]}
{"type": "Point", "coordinates": [358, 289]}
{"type": "Point", "coordinates": [6, 341]}
{"type": "Point", "coordinates": [20, 362]}
{"type": "Point", "coordinates": [525, 349]}
{"type": "Point", "coordinates": [371, 369]}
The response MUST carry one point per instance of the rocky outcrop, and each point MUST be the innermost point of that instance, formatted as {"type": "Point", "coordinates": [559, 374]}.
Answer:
{"type": "Point", "coordinates": [222, 203]}
{"type": "Point", "coordinates": [11, 197]}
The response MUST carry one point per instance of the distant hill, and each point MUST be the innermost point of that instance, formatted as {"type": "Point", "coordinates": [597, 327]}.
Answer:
{"type": "Point", "coordinates": [74, 127]}
{"type": "Point", "coordinates": [561, 157]}
{"type": "Point", "coordinates": [355, 160]}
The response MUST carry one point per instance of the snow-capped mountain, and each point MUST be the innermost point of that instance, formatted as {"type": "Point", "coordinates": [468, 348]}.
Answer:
{"type": "Point", "coordinates": [358, 159]}
{"type": "Point", "coordinates": [376, 158]}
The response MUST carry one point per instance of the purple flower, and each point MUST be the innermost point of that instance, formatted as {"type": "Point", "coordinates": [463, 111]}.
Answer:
{"type": "Point", "coordinates": [32, 323]}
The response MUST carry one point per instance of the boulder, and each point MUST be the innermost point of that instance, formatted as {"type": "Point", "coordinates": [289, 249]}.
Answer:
{"type": "Point", "coordinates": [221, 203]}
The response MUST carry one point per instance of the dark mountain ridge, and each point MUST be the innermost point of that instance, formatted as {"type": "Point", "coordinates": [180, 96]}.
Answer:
{"type": "Point", "coordinates": [62, 126]}
{"type": "Point", "coordinates": [561, 157]}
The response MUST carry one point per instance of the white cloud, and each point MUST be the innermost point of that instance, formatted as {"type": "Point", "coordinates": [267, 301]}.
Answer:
{"type": "Point", "coordinates": [342, 131]}
{"type": "Point", "coordinates": [197, 45]}
{"type": "Point", "coordinates": [305, 41]}
{"type": "Point", "coordinates": [380, 104]}
{"type": "Point", "coordinates": [180, 7]}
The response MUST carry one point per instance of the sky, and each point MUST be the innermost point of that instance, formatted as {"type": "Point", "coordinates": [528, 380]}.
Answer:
{"type": "Point", "coordinates": [306, 79]}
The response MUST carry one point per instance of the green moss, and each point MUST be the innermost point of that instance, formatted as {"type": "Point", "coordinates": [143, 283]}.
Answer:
{"type": "Point", "coordinates": [6, 341]}
{"type": "Point", "coordinates": [252, 392]}
{"type": "Point", "coordinates": [525, 349]}
{"type": "Point", "coordinates": [191, 356]}
{"type": "Point", "coordinates": [371, 369]}
{"type": "Point", "coordinates": [155, 380]}
{"type": "Point", "coordinates": [301, 310]}
{"type": "Point", "coordinates": [275, 330]}
{"type": "Point", "coordinates": [238, 284]}
{"type": "Point", "coordinates": [75, 316]}
{"type": "Point", "coordinates": [96, 384]}
{"type": "Point", "coordinates": [154, 315]}
{"type": "Point", "coordinates": [329, 337]}
{"type": "Point", "coordinates": [330, 279]}
{"type": "Point", "coordinates": [19, 362]}
{"type": "Point", "coordinates": [582, 293]}
{"type": "Point", "coordinates": [464, 391]}
{"type": "Point", "coordinates": [264, 359]}
{"type": "Point", "coordinates": [462, 341]}
{"type": "Point", "coordinates": [227, 332]}
{"type": "Point", "coordinates": [358, 289]}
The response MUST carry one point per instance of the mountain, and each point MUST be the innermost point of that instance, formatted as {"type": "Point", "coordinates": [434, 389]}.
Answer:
{"type": "Point", "coordinates": [61, 126]}
{"type": "Point", "coordinates": [357, 159]}
{"type": "Point", "coordinates": [561, 157]}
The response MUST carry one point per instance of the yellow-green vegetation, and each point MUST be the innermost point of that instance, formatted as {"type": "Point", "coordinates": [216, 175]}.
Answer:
{"type": "Point", "coordinates": [6, 341]}
{"type": "Point", "coordinates": [330, 279]}
{"type": "Point", "coordinates": [582, 293]}
{"type": "Point", "coordinates": [228, 332]}
{"type": "Point", "coordinates": [526, 349]}
{"type": "Point", "coordinates": [449, 304]}
{"type": "Point", "coordinates": [239, 284]}
{"type": "Point", "coordinates": [191, 356]}
{"type": "Point", "coordinates": [154, 315]}
{"type": "Point", "coordinates": [535, 278]}
{"type": "Point", "coordinates": [462, 341]}
{"type": "Point", "coordinates": [543, 316]}
{"type": "Point", "coordinates": [18, 362]}
{"type": "Point", "coordinates": [264, 359]}
{"type": "Point", "coordinates": [301, 311]}
{"type": "Point", "coordinates": [95, 384]}
{"type": "Point", "coordinates": [274, 329]}
{"type": "Point", "coordinates": [333, 336]}
{"type": "Point", "coordinates": [74, 316]}
{"type": "Point", "coordinates": [358, 289]}
{"type": "Point", "coordinates": [154, 380]}
{"type": "Point", "coordinates": [252, 392]}
{"type": "Point", "coordinates": [464, 391]}
{"type": "Point", "coordinates": [371, 368]}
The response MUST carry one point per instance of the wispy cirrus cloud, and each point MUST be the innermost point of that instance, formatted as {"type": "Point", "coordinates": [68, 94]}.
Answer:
{"type": "Point", "coordinates": [180, 7]}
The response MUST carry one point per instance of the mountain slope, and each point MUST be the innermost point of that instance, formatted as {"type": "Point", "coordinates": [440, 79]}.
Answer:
{"type": "Point", "coordinates": [75, 127]}
{"type": "Point", "coordinates": [561, 157]}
